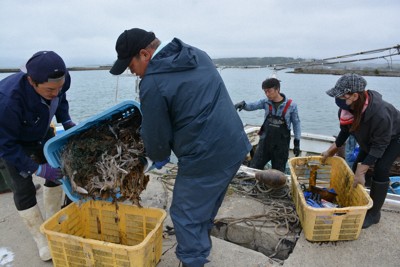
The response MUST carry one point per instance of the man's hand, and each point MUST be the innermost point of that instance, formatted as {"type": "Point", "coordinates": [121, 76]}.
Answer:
{"type": "Point", "coordinates": [296, 147]}
{"type": "Point", "coordinates": [239, 106]}
{"type": "Point", "coordinates": [329, 153]}
{"type": "Point", "coordinates": [359, 176]}
{"type": "Point", "coordinates": [160, 164]}
{"type": "Point", "coordinates": [49, 173]}
{"type": "Point", "coordinates": [149, 164]}
{"type": "Point", "coordinates": [68, 124]}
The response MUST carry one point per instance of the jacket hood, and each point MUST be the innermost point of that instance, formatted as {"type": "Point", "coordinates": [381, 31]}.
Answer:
{"type": "Point", "coordinates": [174, 57]}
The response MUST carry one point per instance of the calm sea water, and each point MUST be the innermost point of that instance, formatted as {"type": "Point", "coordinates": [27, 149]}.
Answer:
{"type": "Point", "coordinates": [92, 92]}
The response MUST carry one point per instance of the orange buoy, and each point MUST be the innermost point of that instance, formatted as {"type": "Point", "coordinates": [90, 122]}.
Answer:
{"type": "Point", "coordinates": [271, 178]}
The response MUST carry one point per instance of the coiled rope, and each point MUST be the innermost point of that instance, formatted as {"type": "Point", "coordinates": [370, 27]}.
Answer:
{"type": "Point", "coordinates": [279, 212]}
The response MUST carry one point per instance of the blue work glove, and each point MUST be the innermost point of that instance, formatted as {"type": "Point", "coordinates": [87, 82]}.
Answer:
{"type": "Point", "coordinates": [49, 173]}
{"type": "Point", "coordinates": [296, 147]}
{"type": "Point", "coordinates": [68, 124]}
{"type": "Point", "coordinates": [239, 106]}
{"type": "Point", "coordinates": [149, 164]}
{"type": "Point", "coordinates": [160, 164]}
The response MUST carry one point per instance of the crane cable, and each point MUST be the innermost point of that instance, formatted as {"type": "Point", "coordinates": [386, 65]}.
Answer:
{"type": "Point", "coordinates": [393, 51]}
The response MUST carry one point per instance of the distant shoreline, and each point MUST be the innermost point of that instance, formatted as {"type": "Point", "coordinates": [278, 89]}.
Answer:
{"type": "Point", "coordinates": [363, 72]}
{"type": "Point", "coordinates": [5, 70]}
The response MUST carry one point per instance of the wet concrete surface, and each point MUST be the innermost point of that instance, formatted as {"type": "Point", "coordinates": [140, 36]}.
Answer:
{"type": "Point", "coordinates": [376, 246]}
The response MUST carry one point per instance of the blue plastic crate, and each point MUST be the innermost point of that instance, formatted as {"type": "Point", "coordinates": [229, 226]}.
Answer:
{"type": "Point", "coordinates": [53, 147]}
{"type": "Point", "coordinates": [394, 187]}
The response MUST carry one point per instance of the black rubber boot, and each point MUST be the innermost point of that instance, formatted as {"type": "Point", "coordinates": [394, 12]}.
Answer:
{"type": "Point", "coordinates": [378, 194]}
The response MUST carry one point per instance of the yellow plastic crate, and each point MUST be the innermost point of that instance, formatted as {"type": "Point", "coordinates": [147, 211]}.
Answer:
{"type": "Point", "coordinates": [99, 233]}
{"type": "Point", "coordinates": [329, 224]}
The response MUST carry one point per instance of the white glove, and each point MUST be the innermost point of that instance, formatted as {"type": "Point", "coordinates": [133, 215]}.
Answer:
{"type": "Point", "coordinates": [148, 166]}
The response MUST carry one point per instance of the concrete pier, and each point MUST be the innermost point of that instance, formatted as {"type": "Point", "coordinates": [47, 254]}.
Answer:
{"type": "Point", "coordinates": [376, 246]}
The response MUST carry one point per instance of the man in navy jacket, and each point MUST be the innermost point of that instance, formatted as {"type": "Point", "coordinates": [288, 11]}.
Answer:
{"type": "Point", "coordinates": [29, 100]}
{"type": "Point", "coordinates": [186, 109]}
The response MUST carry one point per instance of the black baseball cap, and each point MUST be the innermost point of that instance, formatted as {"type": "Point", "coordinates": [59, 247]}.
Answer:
{"type": "Point", "coordinates": [128, 45]}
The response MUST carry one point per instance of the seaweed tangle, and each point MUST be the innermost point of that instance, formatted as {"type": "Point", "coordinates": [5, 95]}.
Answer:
{"type": "Point", "coordinates": [105, 160]}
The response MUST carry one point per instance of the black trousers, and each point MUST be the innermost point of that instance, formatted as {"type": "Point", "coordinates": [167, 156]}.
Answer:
{"type": "Point", "coordinates": [382, 165]}
{"type": "Point", "coordinates": [23, 188]}
{"type": "Point", "coordinates": [274, 150]}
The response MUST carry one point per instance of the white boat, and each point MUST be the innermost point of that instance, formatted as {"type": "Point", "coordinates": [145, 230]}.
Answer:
{"type": "Point", "coordinates": [311, 144]}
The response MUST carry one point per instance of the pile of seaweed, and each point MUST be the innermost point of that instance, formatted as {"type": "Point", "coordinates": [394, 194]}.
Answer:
{"type": "Point", "coordinates": [106, 160]}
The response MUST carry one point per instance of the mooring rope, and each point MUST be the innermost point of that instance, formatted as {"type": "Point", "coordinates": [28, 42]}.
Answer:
{"type": "Point", "coordinates": [278, 213]}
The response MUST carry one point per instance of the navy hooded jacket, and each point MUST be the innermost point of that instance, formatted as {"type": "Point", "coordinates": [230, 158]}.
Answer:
{"type": "Point", "coordinates": [24, 119]}
{"type": "Point", "coordinates": [187, 109]}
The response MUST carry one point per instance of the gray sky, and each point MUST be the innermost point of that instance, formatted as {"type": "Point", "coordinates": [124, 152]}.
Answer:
{"type": "Point", "coordinates": [84, 32]}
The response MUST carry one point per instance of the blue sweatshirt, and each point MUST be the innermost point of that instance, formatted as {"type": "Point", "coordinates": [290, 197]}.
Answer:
{"type": "Point", "coordinates": [25, 119]}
